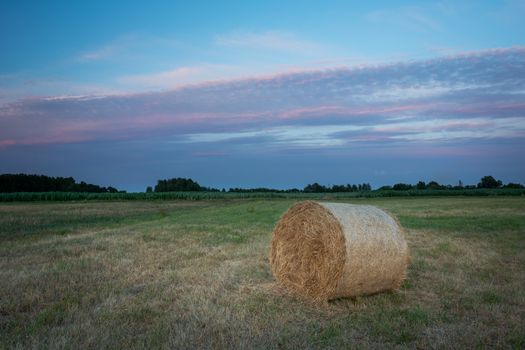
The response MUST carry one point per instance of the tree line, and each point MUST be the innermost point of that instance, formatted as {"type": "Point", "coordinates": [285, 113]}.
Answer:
{"type": "Point", "coordinates": [183, 184]}
{"type": "Point", "coordinates": [179, 184]}
{"type": "Point", "coordinates": [485, 182]}
{"type": "Point", "coordinates": [40, 183]}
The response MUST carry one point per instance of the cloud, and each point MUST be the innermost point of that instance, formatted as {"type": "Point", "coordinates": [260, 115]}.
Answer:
{"type": "Point", "coordinates": [170, 78]}
{"type": "Point", "coordinates": [269, 40]}
{"type": "Point", "coordinates": [108, 50]}
{"type": "Point", "coordinates": [475, 97]}
{"type": "Point", "coordinates": [126, 47]}
{"type": "Point", "coordinates": [410, 17]}
{"type": "Point", "coordinates": [99, 54]}
{"type": "Point", "coordinates": [22, 85]}
{"type": "Point", "coordinates": [183, 75]}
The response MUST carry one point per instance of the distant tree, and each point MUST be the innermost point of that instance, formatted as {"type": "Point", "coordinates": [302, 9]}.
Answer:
{"type": "Point", "coordinates": [315, 187]}
{"type": "Point", "coordinates": [513, 185]}
{"type": "Point", "coordinates": [433, 185]}
{"type": "Point", "coordinates": [42, 183]}
{"type": "Point", "coordinates": [402, 187]}
{"type": "Point", "coordinates": [338, 188]}
{"type": "Point", "coordinates": [178, 184]}
{"type": "Point", "coordinates": [149, 189]}
{"type": "Point", "coordinates": [489, 182]}
{"type": "Point", "coordinates": [421, 185]}
{"type": "Point", "coordinates": [385, 188]}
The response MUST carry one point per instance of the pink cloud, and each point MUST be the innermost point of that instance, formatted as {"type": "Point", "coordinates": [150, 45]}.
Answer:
{"type": "Point", "coordinates": [435, 125]}
{"type": "Point", "coordinates": [485, 108]}
{"type": "Point", "coordinates": [316, 99]}
{"type": "Point", "coordinates": [341, 111]}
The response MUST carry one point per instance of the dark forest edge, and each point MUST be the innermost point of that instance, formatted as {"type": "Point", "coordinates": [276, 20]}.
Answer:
{"type": "Point", "coordinates": [41, 183]}
{"type": "Point", "coordinates": [22, 187]}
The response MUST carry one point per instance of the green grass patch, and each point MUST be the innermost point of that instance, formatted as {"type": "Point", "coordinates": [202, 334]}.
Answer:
{"type": "Point", "coordinates": [195, 274]}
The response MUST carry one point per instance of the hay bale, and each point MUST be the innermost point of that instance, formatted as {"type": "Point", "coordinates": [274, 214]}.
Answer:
{"type": "Point", "coordinates": [329, 250]}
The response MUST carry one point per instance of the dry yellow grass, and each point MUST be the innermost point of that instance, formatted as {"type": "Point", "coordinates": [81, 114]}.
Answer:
{"type": "Point", "coordinates": [124, 275]}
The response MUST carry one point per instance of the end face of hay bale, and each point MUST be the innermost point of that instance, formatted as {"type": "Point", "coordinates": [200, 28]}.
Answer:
{"type": "Point", "coordinates": [329, 250]}
{"type": "Point", "coordinates": [376, 249]}
{"type": "Point", "coordinates": [308, 251]}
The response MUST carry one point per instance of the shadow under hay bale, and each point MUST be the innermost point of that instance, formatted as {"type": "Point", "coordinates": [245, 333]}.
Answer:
{"type": "Point", "coordinates": [325, 251]}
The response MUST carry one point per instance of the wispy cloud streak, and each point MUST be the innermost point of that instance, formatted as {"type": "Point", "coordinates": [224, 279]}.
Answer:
{"type": "Point", "coordinates": [473, 96]}
{"type": "Point", "coordinates": [273, 40]}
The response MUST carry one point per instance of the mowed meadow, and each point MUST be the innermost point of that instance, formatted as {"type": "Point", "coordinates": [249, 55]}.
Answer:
{"type": "Point", "coordinates": [195, 274]}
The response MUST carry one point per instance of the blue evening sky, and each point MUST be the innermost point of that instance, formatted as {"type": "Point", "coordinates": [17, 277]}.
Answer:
{"type": "Point", "coordinates": [266, 93]}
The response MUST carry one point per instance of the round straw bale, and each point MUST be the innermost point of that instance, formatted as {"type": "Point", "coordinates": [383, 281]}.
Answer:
{"type": "Point", "coordinates": [325, 251]}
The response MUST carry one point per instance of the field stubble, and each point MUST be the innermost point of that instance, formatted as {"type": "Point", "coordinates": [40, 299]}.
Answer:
{"type": "Point", "coordinates": [195, 274]}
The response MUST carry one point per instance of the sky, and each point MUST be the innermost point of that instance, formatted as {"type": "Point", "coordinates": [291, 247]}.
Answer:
{"type": "Point", "coordinates": [264, 93]}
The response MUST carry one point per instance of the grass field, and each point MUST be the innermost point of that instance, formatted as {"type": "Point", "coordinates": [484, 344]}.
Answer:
{"type": "Point", "coordinates": [195, 274]}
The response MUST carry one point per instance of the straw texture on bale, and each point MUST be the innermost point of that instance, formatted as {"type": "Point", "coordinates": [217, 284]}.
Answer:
{"type": "Point", "coordinates": [325, 251]}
